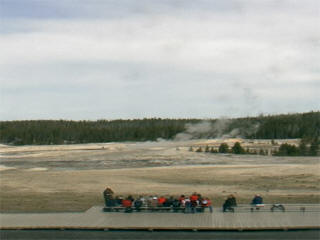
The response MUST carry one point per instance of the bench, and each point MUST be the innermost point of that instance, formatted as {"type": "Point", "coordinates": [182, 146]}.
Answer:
{"type": "Point", "coordinates": [153, 209]}
{"type": "Point", "coordinates": [256, 207]}
{"type": "Point", "coordinates": [260, 208]}
{"type": "Point", "coordinates": [279, 207]}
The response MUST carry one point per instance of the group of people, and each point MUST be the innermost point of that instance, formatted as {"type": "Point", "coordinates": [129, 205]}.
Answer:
{"type": "Point", "coordinates": [190, 204]}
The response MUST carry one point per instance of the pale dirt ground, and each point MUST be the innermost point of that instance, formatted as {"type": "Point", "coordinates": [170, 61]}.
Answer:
{"type": "Point", "coordinates": [72, 177]}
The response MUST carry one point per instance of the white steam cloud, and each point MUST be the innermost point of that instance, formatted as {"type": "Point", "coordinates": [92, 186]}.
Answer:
{"type": "Point", "coordinates": [220, 128]}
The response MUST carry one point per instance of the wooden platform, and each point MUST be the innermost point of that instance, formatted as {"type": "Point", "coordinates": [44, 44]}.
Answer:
{"type": "Point", "coordinates": [95, 218]}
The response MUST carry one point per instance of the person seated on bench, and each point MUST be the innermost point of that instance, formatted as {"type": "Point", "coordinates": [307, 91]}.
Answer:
{"type": "Point", "coordinates": [127, 204]}
{"type": "Point", "coordinates": [206, 203]}
{"type": "Point", "coordinates": [161, 201]}
{"type": "Point", "coordinates": [176, 205]}
{"type": "Point", "coordinates": [194, 197]}
{"type": "Point", "coordinates": [154, 203]}
{"type": "Point", "coordinates": [149, 201]}
{"type": "Point", "coordinates": [118, 201]}
{"type": "Point", "coordinates": [131, 198]}
{"type": "Point", "coordinates": [257, 201]}
{"type": "Point", "coordinates": [107, 193]}
{"type": "Point", "coordinates": [233, 200]}
{"type": "Point", "coordinates": [110, 202]}
{"type": "Point", "coordinates": [188, 205]}
{"type": "Point", "coordinates": [199, 207]}
{"type": "Point", "coordinates": [181, 199]}
{"type": "Point", "coordinates": [199, 197]}
{"type": "Point", "coordinates": [143, 200]}
{"type": "Point", "coordinates": [138, 204]}
{"type": "Point", "coordinates": [168, 202]}
{"type": "Point", "coordinates": [228, 205]}
{"type": "Point", "coordinates": [194, 205]}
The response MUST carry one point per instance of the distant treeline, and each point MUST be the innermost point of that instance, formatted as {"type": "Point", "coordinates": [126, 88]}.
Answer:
{"type": "Point", "coordinates": [302, 125]}
{"type": "Point", "coordinates": [307, 147]}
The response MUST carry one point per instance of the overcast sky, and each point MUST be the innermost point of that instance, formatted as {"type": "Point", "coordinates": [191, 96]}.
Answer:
{"type": "Point", "coordinates": [110, 59]}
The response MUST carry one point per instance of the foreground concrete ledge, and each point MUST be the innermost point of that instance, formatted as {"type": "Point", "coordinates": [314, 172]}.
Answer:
{"type": "Point", "coordinates": [96, 219]}
{"type": "Point", "coordinates": [162, 229]}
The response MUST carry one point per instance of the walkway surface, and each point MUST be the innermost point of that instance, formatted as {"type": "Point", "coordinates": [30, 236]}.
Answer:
{"type": "Point", "coordinates": [95, 218]}
{"type": "Point", "coordinates": [159, 235]}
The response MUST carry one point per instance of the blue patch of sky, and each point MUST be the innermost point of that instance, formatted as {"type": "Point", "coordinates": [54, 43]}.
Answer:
{"type": "Point", "coordinates": [39, 9]}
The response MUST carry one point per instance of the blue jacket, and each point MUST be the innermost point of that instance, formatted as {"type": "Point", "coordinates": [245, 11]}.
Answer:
{"type": "Point", "coordinates": [257, 200]}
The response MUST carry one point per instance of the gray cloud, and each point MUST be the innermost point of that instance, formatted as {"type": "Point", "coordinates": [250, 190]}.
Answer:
{"type": "Point", "coordinates": [126, 59]}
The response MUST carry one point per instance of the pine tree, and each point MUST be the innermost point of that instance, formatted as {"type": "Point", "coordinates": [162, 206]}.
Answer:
{"type": "Point", "coordinates": [223, 148]}
{"type": "Point", "coordinates": [314, 147]}
{"type": "Point", "coordinates": [207, 149]}
{"type": "Point", "coordinates": [303, 150]}
{"type": "Point", "coordinates": [212, 150]}
{"type": "Point", "coordinates": [237, 149]}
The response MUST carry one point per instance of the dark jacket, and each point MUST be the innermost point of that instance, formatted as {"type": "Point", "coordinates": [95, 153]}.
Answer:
{"type": "Point", "coordinates": [110, 202]}
{"type": "Point", "coordinates": [138, 203]}
{"type": "Point", "coordinates": [233, 202]}
{"type": "Point", "coordinates": [257, 200]}
{"type": "Point", "coordinates": [176, 203]}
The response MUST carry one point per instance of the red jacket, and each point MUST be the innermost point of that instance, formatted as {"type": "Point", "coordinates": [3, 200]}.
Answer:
{"type": "Point", "coordinates": [194, 198]}
{"type": "Point", "coordinates": [161, 200]}
{"type": "Point", "coordinates": [126, 203]}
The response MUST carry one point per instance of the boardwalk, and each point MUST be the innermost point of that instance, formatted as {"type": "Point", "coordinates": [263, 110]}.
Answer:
{"type": "Point", "coordinates": [95, 218]}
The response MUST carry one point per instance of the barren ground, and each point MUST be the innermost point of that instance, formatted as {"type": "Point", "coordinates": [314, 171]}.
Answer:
{"type": "Point", "coordinates": [72, 177]}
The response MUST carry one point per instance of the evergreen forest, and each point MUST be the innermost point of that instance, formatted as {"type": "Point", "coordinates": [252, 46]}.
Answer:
{"type": "Point", "coordinates": [37, 132]}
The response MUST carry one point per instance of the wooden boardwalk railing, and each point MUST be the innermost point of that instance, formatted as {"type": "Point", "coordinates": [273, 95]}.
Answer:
{"type": "Point", "coordinates": [238, 208]}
